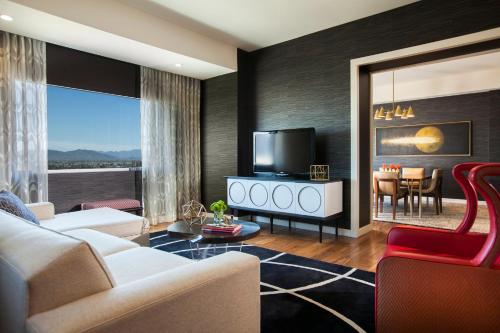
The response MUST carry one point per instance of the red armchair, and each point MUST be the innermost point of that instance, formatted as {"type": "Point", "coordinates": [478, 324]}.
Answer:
{"type": "Point", "coordinates": [444, 281]}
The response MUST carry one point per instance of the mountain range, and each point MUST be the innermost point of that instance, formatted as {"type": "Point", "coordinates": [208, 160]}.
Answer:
{"type": "Point", "coordinates": [93, 155]}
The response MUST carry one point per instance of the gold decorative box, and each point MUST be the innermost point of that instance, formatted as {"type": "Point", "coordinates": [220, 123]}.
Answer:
{"type": "Point", "coordinates": [319, 172]}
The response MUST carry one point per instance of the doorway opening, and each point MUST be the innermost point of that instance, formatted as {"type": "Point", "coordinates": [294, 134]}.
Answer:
{"type": "Point", "coordinates": [363, 135]}
{"type": "Point", "coordinates": [427, 118]}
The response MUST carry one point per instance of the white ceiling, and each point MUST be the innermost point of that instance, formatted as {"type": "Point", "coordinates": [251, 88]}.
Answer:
{"type": "Point", "coordinates": [120, 32]}
{"type": "Point", "coordinates": [253, 24]}
{"type": "Point", "coordinates": [201, 35]}
{"type": "Point", "coordinates": [479, 72]}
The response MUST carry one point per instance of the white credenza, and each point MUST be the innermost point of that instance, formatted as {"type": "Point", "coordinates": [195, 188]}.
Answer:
{"type": "Point", "coordinates": [286, 197]}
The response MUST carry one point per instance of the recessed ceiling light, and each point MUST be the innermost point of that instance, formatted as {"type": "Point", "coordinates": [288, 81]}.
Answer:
{"type": "Point", "coordinates": [178, 65]}
{"type": "Point", "coordinates": [6, 17]}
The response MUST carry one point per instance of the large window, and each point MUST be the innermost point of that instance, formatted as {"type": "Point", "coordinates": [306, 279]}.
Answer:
{"type": "Point", "coordinates": [92, 130]}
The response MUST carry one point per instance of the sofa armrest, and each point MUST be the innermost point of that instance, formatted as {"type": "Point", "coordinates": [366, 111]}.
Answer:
{"type": "Point", "coordinates": [42, 210]}
{"type": "Point", "coordinates": [219, 294]}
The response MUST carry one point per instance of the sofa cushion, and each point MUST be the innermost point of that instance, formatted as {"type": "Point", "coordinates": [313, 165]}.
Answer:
{"type": "Point", "coordinates": [41, 269]}
{"type": "Point", "coordinates": [138, 263]}
{"type": "Point", "coordinates": [103, 243]}
{"type": "Point", "coordinates": [11, 203]}
{"type": "Point", "coordinates": [107, 220]}
{"type": "Point", "coordinates": [42, 210]}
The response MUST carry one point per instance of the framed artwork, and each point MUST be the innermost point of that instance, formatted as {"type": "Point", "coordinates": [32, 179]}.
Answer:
{"type": "Point", "coordinates": [437, 139]}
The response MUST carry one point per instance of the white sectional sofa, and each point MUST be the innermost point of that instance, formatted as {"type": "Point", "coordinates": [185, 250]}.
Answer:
{"type": "Point", "coordinates": [83, 280]}
{"type": "Point", "coordinates": [107, 220]}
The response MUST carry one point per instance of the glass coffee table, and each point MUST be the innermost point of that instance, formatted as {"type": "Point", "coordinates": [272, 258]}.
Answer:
{"type": "Point", "coordinates": [197, 237]}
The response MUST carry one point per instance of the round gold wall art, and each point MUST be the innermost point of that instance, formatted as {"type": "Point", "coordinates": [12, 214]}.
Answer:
{"type": "Point", "coordinates": [429, 139]}
{"type": "Point", "coordinates": [194, 212]}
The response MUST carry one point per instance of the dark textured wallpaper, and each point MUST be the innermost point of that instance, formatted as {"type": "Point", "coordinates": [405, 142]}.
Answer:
{"type": "Point", "coordinates": [219, 135]}
{"type": "Point", "coordinates": [305, 82]}
{"type": "Point", "coordinates": [482, 109]}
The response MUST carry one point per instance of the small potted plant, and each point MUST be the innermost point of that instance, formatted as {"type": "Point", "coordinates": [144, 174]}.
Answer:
{"type": "Point", "coordinates": [218, 208]}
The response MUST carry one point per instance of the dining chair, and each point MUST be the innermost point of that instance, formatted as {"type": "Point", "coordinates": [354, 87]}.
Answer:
{"type": "Point", "coordinates": [411, 175]}
{"type": "Point", "coordinates": [388, 184]}
{"type": "Point", "coordinates": [412, 180]}
{"type": "Point", "coordinates": [434, 190]}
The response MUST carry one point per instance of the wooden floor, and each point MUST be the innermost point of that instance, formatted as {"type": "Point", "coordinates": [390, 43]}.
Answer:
{"type": "Point", "coordinates": [362, 252]}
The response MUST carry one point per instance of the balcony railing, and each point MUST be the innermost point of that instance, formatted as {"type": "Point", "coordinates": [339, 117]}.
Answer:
{"type": "Point", "coordinates": [69, 188]}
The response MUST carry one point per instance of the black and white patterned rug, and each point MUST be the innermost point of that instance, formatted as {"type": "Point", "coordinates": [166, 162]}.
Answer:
{"type": "Point", "coordinates": [300, 294]}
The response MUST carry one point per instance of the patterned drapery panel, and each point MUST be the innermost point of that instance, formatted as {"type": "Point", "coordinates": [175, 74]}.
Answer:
{"type": "Point", "coordinates": [23, 122]}
{"type": "Point", "coordinates": [170, 127]}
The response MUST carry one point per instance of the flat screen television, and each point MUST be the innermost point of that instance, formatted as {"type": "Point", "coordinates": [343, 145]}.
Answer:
{"type": "Point", "coordinates": [284, 152]}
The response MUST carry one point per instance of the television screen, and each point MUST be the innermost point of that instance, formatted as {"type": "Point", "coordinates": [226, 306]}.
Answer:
{"type": "Point", "coordinates": [284, 151]}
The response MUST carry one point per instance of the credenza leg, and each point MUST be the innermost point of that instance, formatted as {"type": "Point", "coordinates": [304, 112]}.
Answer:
{"type": "Point", "coordinates": [321, 231]}
{"type": "Point", "coordinates": [336, 228]}
{"type": "Point", "coordinates": [271, 221]}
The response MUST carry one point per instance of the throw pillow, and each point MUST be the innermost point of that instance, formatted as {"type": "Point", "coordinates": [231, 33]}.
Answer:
{"type": "Point", "coordinates": [11, 203]}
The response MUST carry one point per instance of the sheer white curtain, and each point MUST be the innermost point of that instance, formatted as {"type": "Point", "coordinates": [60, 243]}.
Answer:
{"type": "Point", "coordinates": [23, 122]}
{"type": "Point", "coordinates": [170, 127]}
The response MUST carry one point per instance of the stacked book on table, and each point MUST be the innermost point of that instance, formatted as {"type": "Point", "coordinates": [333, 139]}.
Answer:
{"type": "Point", "coordinates": [222, 228]}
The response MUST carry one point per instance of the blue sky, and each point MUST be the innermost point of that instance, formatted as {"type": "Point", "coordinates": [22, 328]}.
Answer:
{"type": "Point", "coordinates": [80, 119]}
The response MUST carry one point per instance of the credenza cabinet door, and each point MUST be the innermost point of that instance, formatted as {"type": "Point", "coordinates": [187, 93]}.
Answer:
{"type": "Point", "coordinates": [310, 199]}
{"type": "Point", "coordinates": [282, 197]}
{"type": "Point", "coordinates": [258, 194]}
{"type": "Point", "coordinates": [236, 192]}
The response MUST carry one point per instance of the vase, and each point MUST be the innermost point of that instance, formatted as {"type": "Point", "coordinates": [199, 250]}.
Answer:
{"type": "Point", "coordinates": [219, 217]}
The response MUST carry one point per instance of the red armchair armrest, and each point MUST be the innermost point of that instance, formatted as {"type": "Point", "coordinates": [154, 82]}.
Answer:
{"type": "Point", "coordinates": [438, 242]}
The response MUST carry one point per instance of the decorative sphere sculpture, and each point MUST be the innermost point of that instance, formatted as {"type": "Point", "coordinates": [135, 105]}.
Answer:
{"type": "Point", "coordinates": [194, 212]}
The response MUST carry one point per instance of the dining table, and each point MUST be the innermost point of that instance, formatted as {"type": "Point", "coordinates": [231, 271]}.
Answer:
{"type": "Point", "coordinates": [414, 183]}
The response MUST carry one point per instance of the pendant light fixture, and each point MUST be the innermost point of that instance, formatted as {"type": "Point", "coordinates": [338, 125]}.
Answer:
{"type": "Point", "coordinates": [381, 113]}
{"type": "Point", "coordinates": [398, 112]}
{"type": "Point", "coordinates": [410, 114]}
{"type": "Point", "coordinates": [405, 114]}
{"type": "Point", "coordinates": [395, 111]}
{"type": "Point", "coordinates": [391, 113]}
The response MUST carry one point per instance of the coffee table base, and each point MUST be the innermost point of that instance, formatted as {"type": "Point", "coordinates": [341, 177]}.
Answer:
{"type": "Point", "coordinates": [194, 246]}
